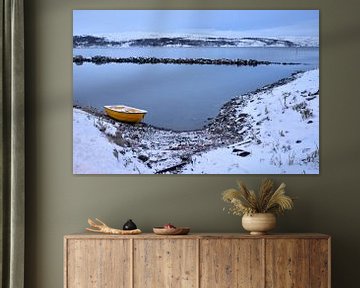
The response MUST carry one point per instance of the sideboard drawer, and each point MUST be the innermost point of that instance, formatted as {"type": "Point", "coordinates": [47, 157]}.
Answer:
{"type": "Point", "coordinates": [297, 263]}
{"type": "Point", "coordinates": [231, 263]}
{"type": "Point", "coordinates": [98, 263]}
{"type": "Point", "coordinates": [165, 263]}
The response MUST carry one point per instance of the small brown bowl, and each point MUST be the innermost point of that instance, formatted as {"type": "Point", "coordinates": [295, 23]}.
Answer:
{"type": "Point", "coordinates": [171, 231]}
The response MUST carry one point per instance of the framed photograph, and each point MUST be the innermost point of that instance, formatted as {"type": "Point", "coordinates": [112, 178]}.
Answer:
{"type": "Point", "coordinates": [196, 92]}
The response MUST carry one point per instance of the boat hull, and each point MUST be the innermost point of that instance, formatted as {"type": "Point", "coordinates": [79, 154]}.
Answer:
{"type": "Point", "coordinates": [132, 117]}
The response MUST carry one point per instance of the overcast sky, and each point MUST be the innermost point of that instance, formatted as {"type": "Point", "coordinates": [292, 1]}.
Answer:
{"type": "Point", "coordinates": [254, 22]}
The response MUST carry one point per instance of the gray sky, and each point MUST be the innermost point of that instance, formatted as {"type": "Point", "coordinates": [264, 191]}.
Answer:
{"type": "Point", "coordinates": [254, 22]}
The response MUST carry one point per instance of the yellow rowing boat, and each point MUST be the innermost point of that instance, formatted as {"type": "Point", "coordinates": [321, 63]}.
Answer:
{"type": "Point", "coordinates": [125, 113]}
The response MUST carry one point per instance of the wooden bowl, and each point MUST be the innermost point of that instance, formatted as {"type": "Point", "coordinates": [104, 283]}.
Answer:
{"type": "Point", "coordinates": [171, 231]}
{"type": "Point", "coordinates": [259, 223]}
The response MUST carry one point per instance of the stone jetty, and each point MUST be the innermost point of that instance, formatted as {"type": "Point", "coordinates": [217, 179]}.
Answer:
{"type": "Point", "coordinates": [99, 60]}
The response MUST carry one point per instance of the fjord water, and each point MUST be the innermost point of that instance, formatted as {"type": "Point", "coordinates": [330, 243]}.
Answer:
{"type": "Point", "coordinates": [181, 97]}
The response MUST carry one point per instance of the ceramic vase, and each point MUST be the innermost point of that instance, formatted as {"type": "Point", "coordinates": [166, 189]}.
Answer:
{"type": "Point", "coordinates": [259, 223]}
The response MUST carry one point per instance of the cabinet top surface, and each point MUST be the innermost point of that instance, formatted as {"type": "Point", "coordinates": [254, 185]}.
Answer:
{"type": "Point", "coordinates": [87, 235]}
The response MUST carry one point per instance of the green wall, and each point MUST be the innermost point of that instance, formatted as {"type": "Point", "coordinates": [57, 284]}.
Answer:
{"type": "Point", "coordinates": [59, 203]}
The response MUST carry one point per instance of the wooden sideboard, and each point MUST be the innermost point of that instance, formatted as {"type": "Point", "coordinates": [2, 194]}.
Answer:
{"type": "Point", "coordinates": [197, 260]}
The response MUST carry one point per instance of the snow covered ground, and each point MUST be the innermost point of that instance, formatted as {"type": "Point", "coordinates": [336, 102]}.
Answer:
{"type": "Point", "coordinates": [285, 123]}
{"type": "Point", "coordinates": [93, 153]}
{"type": "Point", "coordinates": [273, 130]}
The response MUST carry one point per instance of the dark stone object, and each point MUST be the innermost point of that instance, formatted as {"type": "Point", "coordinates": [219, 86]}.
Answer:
{"type": "Point", "coordinates": [143, 158]}
{"type": "Point", "coordinates": [129, 225]}
{"type": "Point", "coordinates": [244, 154]}
{"type": "Point", "coordinates": [237, 150]}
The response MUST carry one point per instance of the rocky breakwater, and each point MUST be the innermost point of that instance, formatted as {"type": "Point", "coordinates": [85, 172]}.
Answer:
{"type": "Point", "coordinates": [99, 60]}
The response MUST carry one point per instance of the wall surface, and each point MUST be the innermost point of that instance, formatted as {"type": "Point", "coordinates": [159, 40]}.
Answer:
{"type": "Point", "coordinates": [59, 203]}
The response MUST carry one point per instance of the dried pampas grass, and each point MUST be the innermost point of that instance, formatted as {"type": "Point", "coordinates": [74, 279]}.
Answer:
{"type": "Point", "coordinates": [267, 200]}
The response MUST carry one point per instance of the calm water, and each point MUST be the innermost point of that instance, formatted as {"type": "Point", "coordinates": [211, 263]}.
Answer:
{"type": "Point", "coordinates": [180, 97]}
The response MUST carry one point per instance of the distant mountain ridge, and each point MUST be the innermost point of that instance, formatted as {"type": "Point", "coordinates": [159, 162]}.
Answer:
{"type": "Point", "coordinates": [98, 41]}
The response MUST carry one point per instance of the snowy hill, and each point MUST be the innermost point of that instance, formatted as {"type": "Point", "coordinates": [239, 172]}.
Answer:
{"type": "Point", "coordinates": [188, 40]}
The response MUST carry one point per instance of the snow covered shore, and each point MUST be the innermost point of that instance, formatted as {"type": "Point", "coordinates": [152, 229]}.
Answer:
{"type": "Point", "coordinates": [272, 130]}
